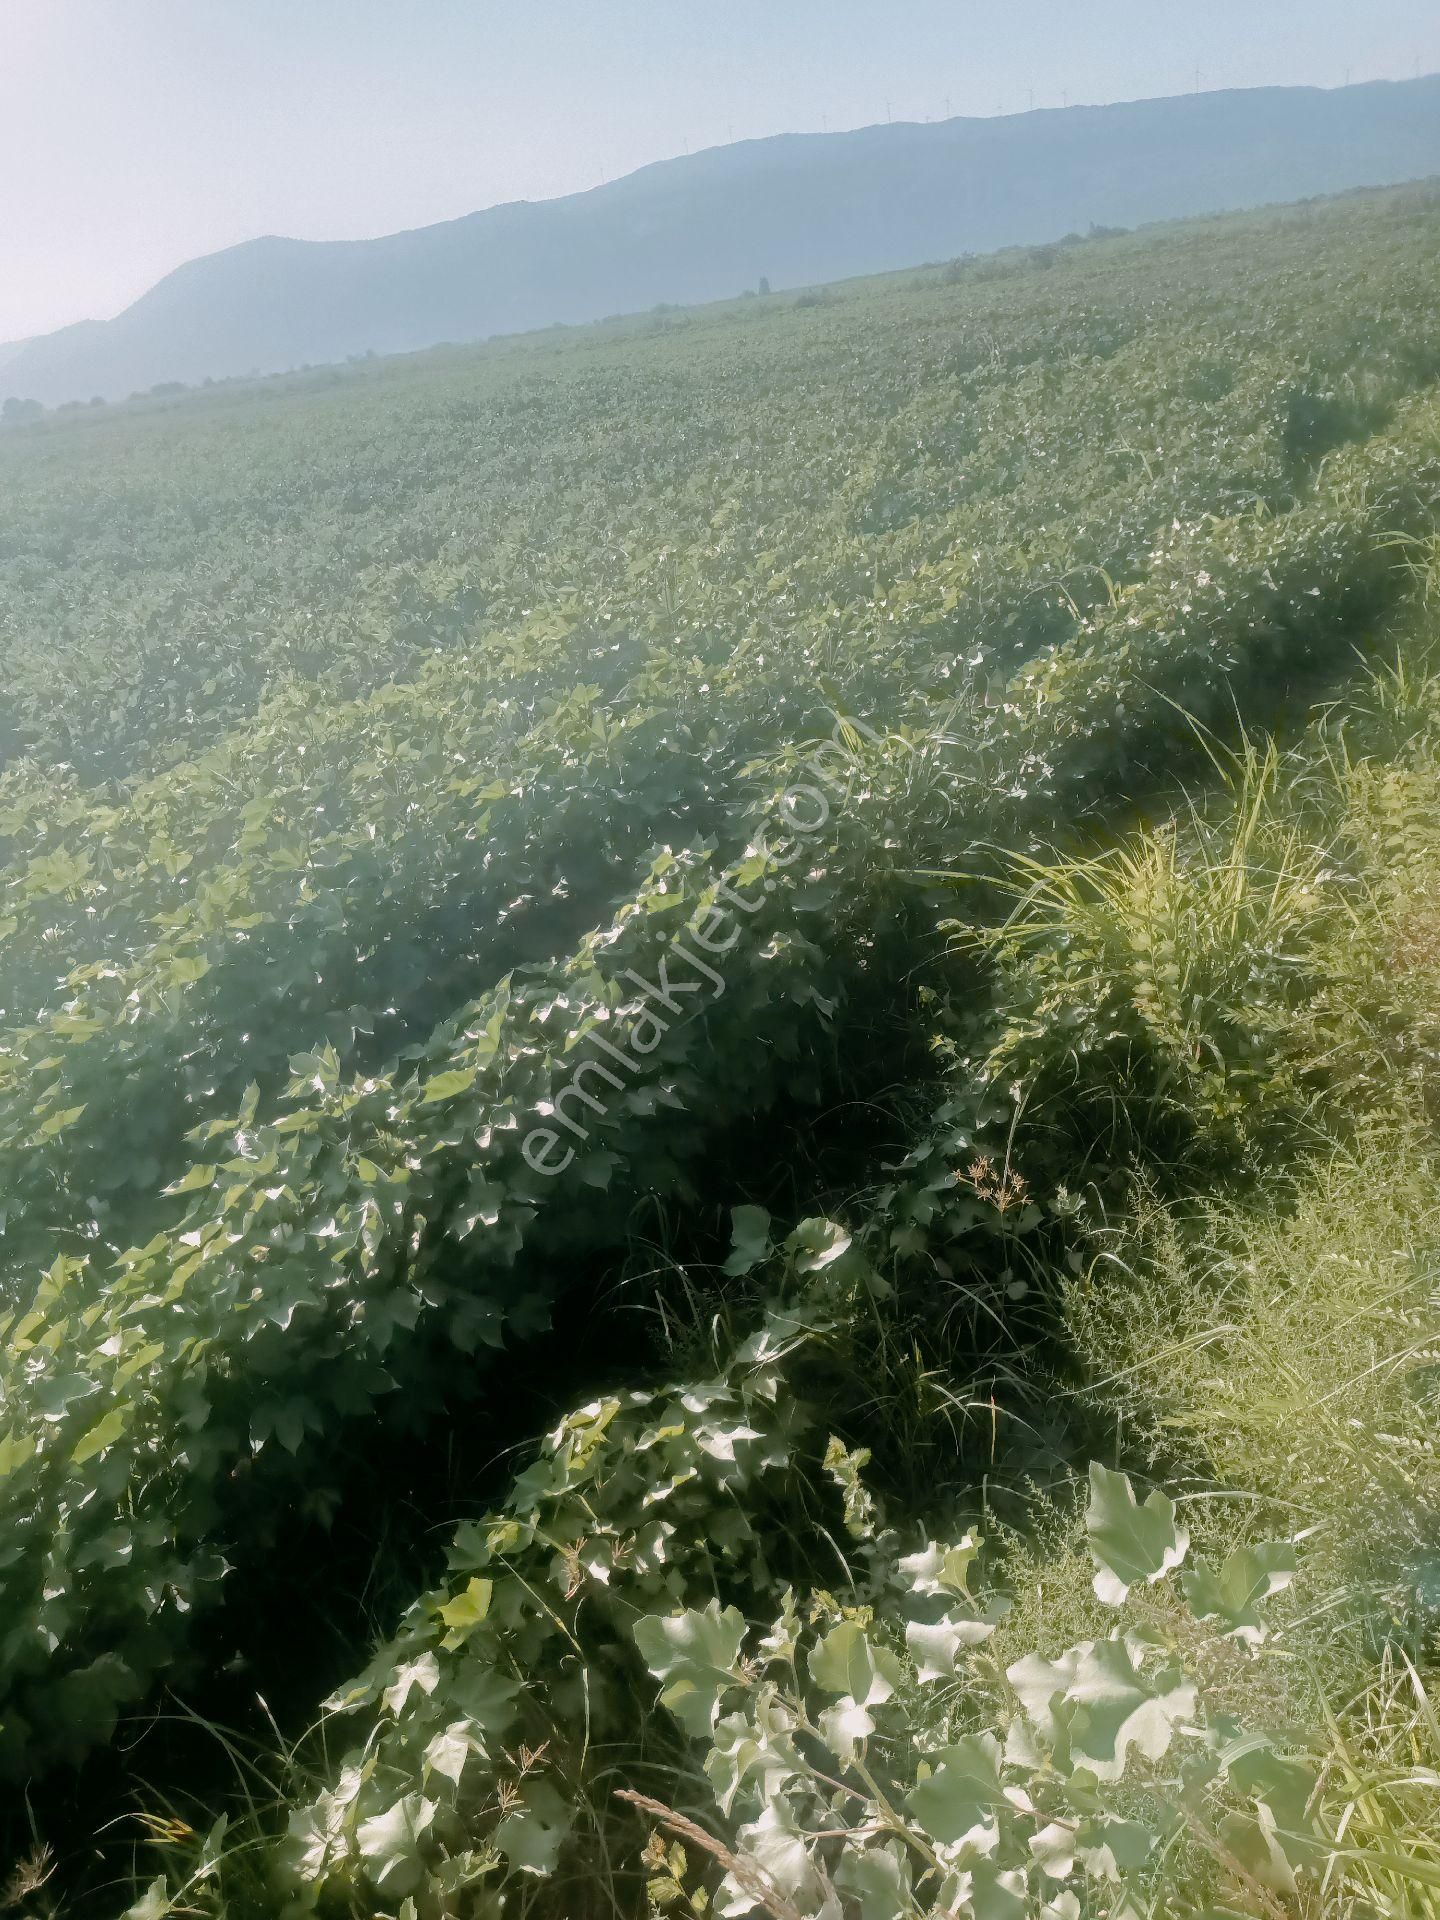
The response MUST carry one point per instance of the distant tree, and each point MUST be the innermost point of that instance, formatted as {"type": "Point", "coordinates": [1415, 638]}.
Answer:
{"type": "Point", "coordinates": [15, 412]}
{"type": "Point", "coordinates": [97, 399]}
{"type": "Point", "coordinates": [764, 284]}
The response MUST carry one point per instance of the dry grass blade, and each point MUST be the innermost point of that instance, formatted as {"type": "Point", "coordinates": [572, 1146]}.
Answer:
{"type": "Point", "coordinates": [746, 1876]}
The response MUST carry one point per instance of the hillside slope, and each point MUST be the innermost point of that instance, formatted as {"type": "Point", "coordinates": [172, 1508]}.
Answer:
{"type": "Point", "coordinates": [795, 208]}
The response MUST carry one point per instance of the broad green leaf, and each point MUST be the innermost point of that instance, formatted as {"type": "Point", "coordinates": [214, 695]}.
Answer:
{"type": "Point", "coordinates": [846, 1468]}
{"type": "Point", "coordinates": [963, 1797]}
{"type": "Point", "coordinates": [154, 1904]}
{"type": "Point", "coordinates": [937, 1569]}
{"type": "Point", "coordinates": [1053, 1849]}
{"type": "Point", "coordinates": [740, 1747]}
{"type": "Point", "coordinates": [1129, 1541]}
{"type": "Point", "coordinates": [16, 1451]}
{"type": "Point", "coordinates": [449, 1750]}
{"type": "Point", "coordinates": [783, 1639]}
{"type": "Point", "coordinates": [532, 1836]}
{"type": "Point", "coordinates": [877, 1879]}
{"type": "Point", "coordinates": [1235, 1593]}
{"type": "Point", "coordinates": [422, 1672]}
{"type": "Point", "coordinates": [774, 1845]}
{"type": "Point", "coordinates": [845, 1662]}
{"type": "Point", "coordinates": [1112, 1704]}
{"type": "Point", "coordinates": [749, 1239]}
{"type": "Point", "coordinates": [1111, 1847]}
{"type": "Point", "coordinates": [997, 1896]}
{"type": "Point", "coordinates": [1279, 1835]}
{"type": "Point", "coordinates": [934, 1649]}
{"type": "Point", "coordinates": [445, 1086]}
{"type": "Point", "coordinates": [52, 1394]}
{"type": "Point", "coordinates": [528, 1843]}
{"type": "Point", "coordinates": [103, 1434]}
{"type": "Point", "coordinates": [694, 1655]}
{"type": "Point", "coordinates": [844, 1727]}
{"type": "Point", "coordinates": [390, 1844]}
{"type": "Point", "coordinates": [1065, 1905]}
{"type": "Point", "coordinates": [485, 1697]}
{"type": "Point", "coordinates": [467, 1609]}
{"type": "Point", "coordinates": [1039, 1683]}
{"type": "Point", "coordinates": [195, 1181]}
{"type": "Point", "coordinates": [817, 1244]}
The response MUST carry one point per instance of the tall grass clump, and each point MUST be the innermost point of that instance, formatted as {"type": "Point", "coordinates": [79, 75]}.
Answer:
{"type": "Point", "coordinates": [1149, 990]}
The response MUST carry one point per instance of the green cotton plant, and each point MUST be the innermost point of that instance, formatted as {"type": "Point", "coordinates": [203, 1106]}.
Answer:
{"type": "Point", "coordinates": [371, 1235]}
{"type": "Point", "coordinates": [239, 541]}
{"type": "Point", "coordinates": [482, 1731]}
{"type": "Point", "coordinates": [865, 1760]}
{"type": "Point", "coordinates": [334, 810]}
{"type": "Point", "coordinates": [310, 895]}
{"type": "Point", "coordinates": [1227, 614]}
{"type": "Point", "coordinates": [469, 1766]}
{"type": "Point", "coordinates": [281, 1305]}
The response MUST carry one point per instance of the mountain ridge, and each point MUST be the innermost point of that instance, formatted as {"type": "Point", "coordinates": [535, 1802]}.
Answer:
{"type": "Point", "coordinates": [797, 208]}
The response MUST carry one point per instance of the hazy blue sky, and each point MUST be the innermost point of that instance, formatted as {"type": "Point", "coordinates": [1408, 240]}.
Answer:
{"type": "Point", "coordinates": [135, 134]}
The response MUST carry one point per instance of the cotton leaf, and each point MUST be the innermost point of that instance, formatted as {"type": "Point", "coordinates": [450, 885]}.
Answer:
{"type": "Point", "coordinates": [963, 1796]}
{"type": "Point", "coordinates": [1234, 1594]}
{"type": "Point", "coordinates": [694, 1654]}
{"type": "Point", "coordinates": [844, 1727]}
{"type": "Point", "coordinates": [449, 1750]}
{"type": "Point", "coordinates": [877, 1879]}
{"type": "Point", "coordinates": [389, 1844]}
{"type": "Point", "coordinates": [529, 1842]}
{"type": "Point", "coordinates": [845, 1662]}
{"type": "Point", "coordinates": [422, 1672]}
{"type": "Point", "coordinates": [1113, 1705]}
{"type": "Point", "coordinates": [1053, 1849]}
{"type": "Point", "coordinates": [466, 1609]}
{"type": "Point", "coordinates": [749, 1239]}
{"type": "Point", "coordinates": [445, 1086]}
{"type": "Point", "coordinates": [937, 1569]}
{"type": "Point", "coordinates": [1129, 1541]}
{"type": "Point", "coordinates": [103, 1434]}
